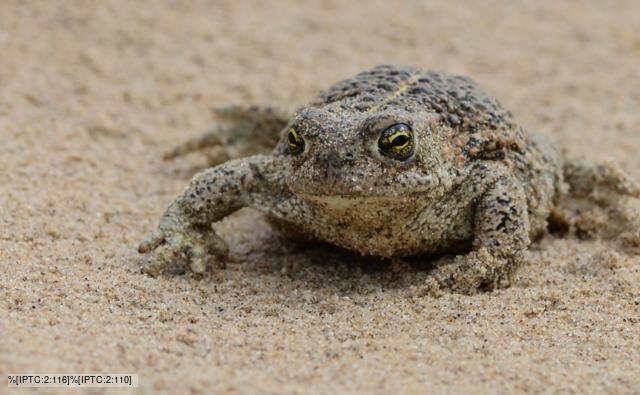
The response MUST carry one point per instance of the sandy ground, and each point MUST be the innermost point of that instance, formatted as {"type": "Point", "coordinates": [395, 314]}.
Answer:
{"type": "Point", "coordinates": [90, 98]}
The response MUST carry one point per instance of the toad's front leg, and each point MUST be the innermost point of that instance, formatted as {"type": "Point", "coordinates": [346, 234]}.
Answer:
{"type": "Point", "coordinates": [185, 232]}
{"type": "Point", "coordinates": [501, 238]}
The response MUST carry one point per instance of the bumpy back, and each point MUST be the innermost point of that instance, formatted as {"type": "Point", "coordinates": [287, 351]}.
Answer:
{"type": "Point", "coordinates": [459, 99]}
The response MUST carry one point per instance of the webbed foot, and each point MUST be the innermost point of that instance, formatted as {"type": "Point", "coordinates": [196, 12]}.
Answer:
{"type": "Point", "coordinates": [175, 241]}
{"type": "Point", "coordinates": [479, 270]}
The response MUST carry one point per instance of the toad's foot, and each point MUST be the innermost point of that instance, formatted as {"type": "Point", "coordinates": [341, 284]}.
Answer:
{"type": "Point", "coordinates": [174, 241]}
{"type": "Point", "coordinates": [241, 131]}
{"type": "Point", "coordinates": [479, 270]}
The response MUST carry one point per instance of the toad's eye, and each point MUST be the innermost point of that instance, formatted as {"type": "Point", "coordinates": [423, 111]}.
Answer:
{"type": "Point", "coordinates": [295, 141]}
{"type": "Point", "coordinates": [397, 142]}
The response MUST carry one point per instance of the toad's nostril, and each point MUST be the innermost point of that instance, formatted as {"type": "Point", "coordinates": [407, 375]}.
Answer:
{"type": "Point", "coordinates": [337, 160]}
{"type": "Point", "coordinates": [332, 159]}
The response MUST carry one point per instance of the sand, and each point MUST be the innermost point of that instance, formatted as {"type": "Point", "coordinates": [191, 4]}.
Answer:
{"type": "Point", "coordinates": [92, 94]}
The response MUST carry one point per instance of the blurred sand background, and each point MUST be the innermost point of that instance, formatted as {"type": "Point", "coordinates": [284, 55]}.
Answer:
{"type": "Point", "coordinates": [92, 94]}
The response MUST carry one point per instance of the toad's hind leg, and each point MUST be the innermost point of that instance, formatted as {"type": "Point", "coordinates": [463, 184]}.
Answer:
{"type": "Point", "coordinates": [240, 131]}
{"type": "Point", "coordinates": [602, 201]}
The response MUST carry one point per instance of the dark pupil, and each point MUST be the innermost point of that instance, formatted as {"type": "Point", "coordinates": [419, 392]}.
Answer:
{"type": "Point", "coordinates": [400, 140]}
{"type": "Point", "coordinates": [292, 139]}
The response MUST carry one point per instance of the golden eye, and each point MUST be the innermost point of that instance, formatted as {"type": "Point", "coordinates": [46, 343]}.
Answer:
{"type": "Point", "coordinates": [295, 141]}
{"type": "Point", "coordinates": [397, 142]}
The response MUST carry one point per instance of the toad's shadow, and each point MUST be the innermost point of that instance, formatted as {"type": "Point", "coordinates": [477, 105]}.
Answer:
{"type": "Point", "coordinates": [258, 250]}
